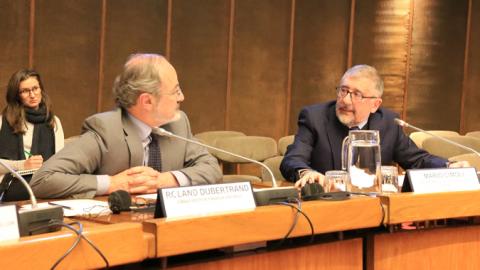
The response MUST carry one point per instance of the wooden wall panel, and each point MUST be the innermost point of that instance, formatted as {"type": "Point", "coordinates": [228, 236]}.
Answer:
{"type": "Point", "coordinates": [381, 40]}
{"type": "Point", "coordinates": [320, 53]}
{"type": "Point", "coordinates": [131, 27]}
{"type": "Point", "coordinates": [260, 67]}
{"type": "Point", "coordinates": [437, 57]}
{"type": "Point", "coordinates": [199, 52]}
{"type": "Point", "coordinates": [14, 30]}
{"type": "Point", "coordinates": [472, 99]}
{"type": "Point", "coordinates": [66, 54]}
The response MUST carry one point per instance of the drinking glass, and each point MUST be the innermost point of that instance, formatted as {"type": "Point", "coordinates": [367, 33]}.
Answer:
{"type": "Point", "coordinates": [390, 179]}
{"type": "Point", "coordinates": [336, 181]}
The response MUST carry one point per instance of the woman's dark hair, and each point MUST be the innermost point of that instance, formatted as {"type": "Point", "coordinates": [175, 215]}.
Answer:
{"type": "Point", "coordinates": [14, 111]}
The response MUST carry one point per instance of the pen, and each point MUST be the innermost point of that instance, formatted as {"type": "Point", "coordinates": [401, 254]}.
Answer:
{"type": "Point", "coordinates": [64, 206]}
{"type": "Point", "coordinates": [28, 154]}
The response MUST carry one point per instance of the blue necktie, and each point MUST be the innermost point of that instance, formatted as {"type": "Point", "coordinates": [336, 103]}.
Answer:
{"type": "Point", "coordinates": [154, 156]}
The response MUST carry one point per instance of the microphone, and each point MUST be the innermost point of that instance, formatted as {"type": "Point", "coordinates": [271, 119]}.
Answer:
{"type": "Point", "coordinates": [405, 124]}
{"type": "Point", "coordinates": [29, 220]}
{"type": "Point", "coordinates": [262, 196]}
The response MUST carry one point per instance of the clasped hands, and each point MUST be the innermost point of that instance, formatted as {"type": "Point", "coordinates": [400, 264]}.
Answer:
{"type": "Point", "coordinates": [141, 179]}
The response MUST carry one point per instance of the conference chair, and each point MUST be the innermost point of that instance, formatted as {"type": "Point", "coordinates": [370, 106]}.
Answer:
{"type": "Point", "coordinates": [475, 134]}
{"type": "Point", "coordinates": [274, 162]}
{"type": "Point", "coordinates": [419, 137]}
{"type": "Point", "coordinates": [71, 139]}
{"type": "Point", "coordinates": [257, 148]}
{"type": "Point", "coordinates": [473, 159]}
{"type": "Point", "coordinates": [211, 137]}
{"type": "Point", "coordinates": [446, 150]}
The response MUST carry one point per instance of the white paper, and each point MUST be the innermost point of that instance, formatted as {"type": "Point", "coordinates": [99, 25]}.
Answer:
{"type": "Point", "coordinates": [8, 223]}
{"type": "Point", "coordinates": [80, 207]}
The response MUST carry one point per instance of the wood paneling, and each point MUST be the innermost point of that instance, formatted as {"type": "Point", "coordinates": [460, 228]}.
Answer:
{"type": "Point", "coordinates": [66, 55]}
{"type": "Point", "coordinates": [199, 48]}
{"type": "Point", "coordinates": [320, 51]}
{"type": "Point", "coordinates": [339, 255]}
{"type": "Point", "coordinates": [453, 248]}
{"type": "Point", "coordinates": [252, 65]}
{"type": "Point", "coordinates": [260, 67]}
{"type": "Point", "coordinates": [381, 40]}
{"type": "Point", "coordinates": [14, 30]}
{"type": "Point", "coordinates": [138, 27]}
{"type": "Point", "coordinates": [472, 98]}
{"type": "Point", "coordinates": [436, 72]}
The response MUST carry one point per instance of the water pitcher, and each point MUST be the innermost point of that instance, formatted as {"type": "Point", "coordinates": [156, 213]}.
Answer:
{"type": "Point", "coordinates": [361, 159]}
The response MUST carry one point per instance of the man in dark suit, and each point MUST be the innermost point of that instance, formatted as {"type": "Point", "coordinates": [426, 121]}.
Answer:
{"type": "Point", "coordinates": [321, 129]}
{"type": "Point", "coordinates": [118, 150]}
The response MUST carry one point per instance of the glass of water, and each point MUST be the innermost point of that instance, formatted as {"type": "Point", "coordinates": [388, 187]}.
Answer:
{"type": "Point", "coordinates": [336, 181]}
{"type": "Point", "coordinates": [389, 179]}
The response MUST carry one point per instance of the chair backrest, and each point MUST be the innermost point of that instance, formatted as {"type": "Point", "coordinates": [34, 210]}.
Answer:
{"type": "Point", "coordinates": [283, 143]}
{"type": "Point", "coordinates": [71, 139]}
{"type": "Point", "coordinates": [475, 134]}
{"type": "Point", "coordinates": [419, 137]}
{"type": "Point", "coordinates": [211, 137]}
{"type": "Point", "coordinates": [273, 164]}
{"type": "Point", "coordinates": [473, 159]}
{"type": "Point", "coordinates": [442, 149]}
{"type": "Point", "coordinates": [254, 147]}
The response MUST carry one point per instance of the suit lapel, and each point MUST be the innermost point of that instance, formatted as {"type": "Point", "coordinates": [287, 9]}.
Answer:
{"type": "Point", "coordinates": [336, 132]}
{"type": "Point", "coordinates": [134, 143]}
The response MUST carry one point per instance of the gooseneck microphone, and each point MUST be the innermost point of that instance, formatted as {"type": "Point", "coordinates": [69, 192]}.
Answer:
{"type": "Point", "coordinates": [163, 132]}
{"type": "Point", "coordinates": [405, 124]}
{"type": "Point", "coordinates": [262, 196]}
{"type": "Point", "coordinates": [30, 220]}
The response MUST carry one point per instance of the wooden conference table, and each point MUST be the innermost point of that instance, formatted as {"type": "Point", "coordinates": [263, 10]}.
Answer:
{"type": "Point", "coordinates": [133, 237]}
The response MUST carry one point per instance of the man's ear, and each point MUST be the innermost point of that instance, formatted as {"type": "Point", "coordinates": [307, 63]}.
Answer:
{"type": "Point", "coordinates": [376, 104]}
{"type": "Point", "coordinates": [145, 100]}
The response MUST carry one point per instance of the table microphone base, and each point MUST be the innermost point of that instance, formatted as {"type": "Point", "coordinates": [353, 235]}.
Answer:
{"type": "Point", "coordinates": [267, 196]}
{"type": "Point", "coordinates": [36, 221]}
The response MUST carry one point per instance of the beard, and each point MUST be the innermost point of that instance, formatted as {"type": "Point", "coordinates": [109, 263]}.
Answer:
{"type": "Point", "coordinates": [348, 119]}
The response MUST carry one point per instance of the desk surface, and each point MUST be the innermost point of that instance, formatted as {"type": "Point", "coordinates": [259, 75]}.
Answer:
{"type": "Point", "coordinates": [121, 243]}
{"type": "Point", "coordinates": [405, 207]}
{"type": "Point", "coordinates": [262, 224]}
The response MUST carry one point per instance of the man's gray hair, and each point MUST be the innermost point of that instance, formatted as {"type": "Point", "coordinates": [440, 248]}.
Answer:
{"type": "Point", "coordinates": [141, 74]}
{"type": "Point", "coordinates": [366, 71]}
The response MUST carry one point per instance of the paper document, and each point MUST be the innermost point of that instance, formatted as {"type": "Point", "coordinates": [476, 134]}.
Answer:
{"type": "Point", "coordinates": [80, 207]}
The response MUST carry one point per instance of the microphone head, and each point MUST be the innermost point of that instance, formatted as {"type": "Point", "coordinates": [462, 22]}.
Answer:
{"type": "Point", "coordinates": [119, 201]}
{"type": "Point", "coordinates": [400, 122]}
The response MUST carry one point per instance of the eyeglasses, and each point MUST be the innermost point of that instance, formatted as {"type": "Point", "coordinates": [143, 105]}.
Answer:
{"type": "Point", "coordinates": [355, 95]}
{"type": "Point", "coordinates": [178, 92]}
{"type": "Point", "coordinates": [27, 92]}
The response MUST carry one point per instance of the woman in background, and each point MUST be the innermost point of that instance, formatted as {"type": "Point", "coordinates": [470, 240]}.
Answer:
{"type": "Point", "coordinates": [29, 131]}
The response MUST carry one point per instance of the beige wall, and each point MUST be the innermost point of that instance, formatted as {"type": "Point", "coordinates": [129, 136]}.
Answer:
{"type": "Point", "coordinates": [251, 65]}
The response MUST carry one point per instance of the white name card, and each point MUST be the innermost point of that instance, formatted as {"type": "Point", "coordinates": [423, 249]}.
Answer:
{"type": "Point", "coordinates": [443, 180]}
{"type": "Point", "coordinates": [8, 223]}
{"type": "Point", "coordinates": [206, 199]}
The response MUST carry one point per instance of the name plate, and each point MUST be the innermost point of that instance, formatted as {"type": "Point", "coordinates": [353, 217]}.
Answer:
{"type": "Point", "coordinates": [204, 200]}
{"type": "Point", "coordinates": [8, 223]}
{"type": "Point", "coordinates": [443, 180]}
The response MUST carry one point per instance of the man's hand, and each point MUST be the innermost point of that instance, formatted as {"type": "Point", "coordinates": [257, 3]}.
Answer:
{"type": "Point", "coordinates": [134, 180]}
{"type": "Point", "coordinates": [33, 162]}
{"type": "Point", "coordinates": [141, 179]}
{"type": "Point", "coordinates": [310, 176]}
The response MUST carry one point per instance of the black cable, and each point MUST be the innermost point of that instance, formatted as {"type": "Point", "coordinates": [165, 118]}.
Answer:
{"type": "Point", "coordinates": [294, 224]}
{"type": "Point", "coordinates": [298, 208]}
{"type": "Point", "coordinates": [80, 235]}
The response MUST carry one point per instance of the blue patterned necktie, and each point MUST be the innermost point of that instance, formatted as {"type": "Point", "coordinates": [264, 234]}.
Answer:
{"type": "Point", "coordinates": [154, 157]}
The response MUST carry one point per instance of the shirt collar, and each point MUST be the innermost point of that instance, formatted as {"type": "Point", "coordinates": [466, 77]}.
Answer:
{"type": "Point", "coordinates": [143, 129]}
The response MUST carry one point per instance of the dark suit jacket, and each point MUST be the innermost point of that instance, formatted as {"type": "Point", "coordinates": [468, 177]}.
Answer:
{"type": "Point", "coordinates": [318, 142]}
